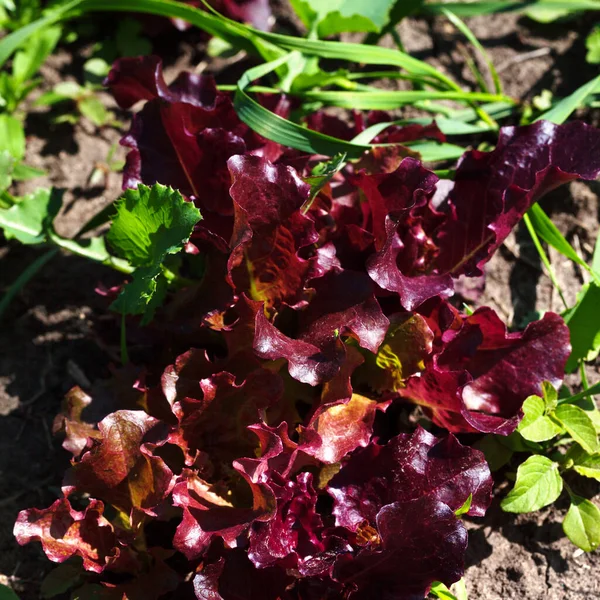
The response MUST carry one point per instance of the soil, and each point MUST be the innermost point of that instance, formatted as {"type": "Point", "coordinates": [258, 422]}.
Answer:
{"type": "Point", "coordinates": [49, 343]}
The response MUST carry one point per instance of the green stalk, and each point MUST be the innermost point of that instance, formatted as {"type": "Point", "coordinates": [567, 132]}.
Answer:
{"type": "Point", "coordinates": [24, 278]}
{"type": "Point", "coordinates": [463, 28]}
{"type": "Point", "coordinates": [544, 258]}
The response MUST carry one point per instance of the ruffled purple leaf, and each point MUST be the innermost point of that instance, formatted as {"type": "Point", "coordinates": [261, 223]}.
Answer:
{"type": "Point", "coordinates": [344, 305]}
{"type": "Point", "coordinates": [493, 190]}
{"type": "Point", "coordinates": [407, 468]}
{"type": "Point", "coordinates": [65, 532]}
{"type": "Point", "coordinates": [481, 378]}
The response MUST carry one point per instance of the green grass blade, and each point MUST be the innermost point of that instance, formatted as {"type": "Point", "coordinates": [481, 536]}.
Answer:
{"type": "Point", "coordinates": [27, 275]}
{"type": "Point", "coordinates": [497, 110]}
{"type": "Point", "coordinates": [473, 9]}
{"type": "Point", "coordinates": [544, 257]}
{"type": "Point", "coordinates": [431, 151]}
{"type": "Point", "coordinates": [17, 38]}
{"type": "Point", "coordinates": [596, 258]}
{"type": "Point", "coordinates": [591, 391]}
{"type": "Point", "coordinates": [235, 34]}
{"type": "Point", "coordinates": [282, 131]}
{"type": "Point", "coordinates": [548, 231]}
{"type": "Point", "coordinates": [389, 100]}
{"type": "Point", "coordinates": [560, 112]}
{"type": "Point", "coordinates": [462, 27]}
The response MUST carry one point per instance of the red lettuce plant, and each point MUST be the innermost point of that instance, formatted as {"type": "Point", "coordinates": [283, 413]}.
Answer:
{"type": "Point", "coordinates": [267, 464]}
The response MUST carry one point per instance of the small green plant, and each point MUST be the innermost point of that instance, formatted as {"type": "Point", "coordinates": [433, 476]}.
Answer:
{"type": "Point", "coordinates": [561, 434]}
{"type": "Point", "coordinates": [592, 43]}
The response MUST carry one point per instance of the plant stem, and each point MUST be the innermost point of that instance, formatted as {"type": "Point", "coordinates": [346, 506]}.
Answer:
{"type": "Point", "coordinates": [27, 275]}
{"type": "Point", "coordinates": [544, 258]}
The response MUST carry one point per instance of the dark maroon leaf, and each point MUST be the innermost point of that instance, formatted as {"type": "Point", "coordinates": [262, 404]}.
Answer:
{"type": "Point", "coordinates": [207, 515]}
{"type": "Point", "coordinates": [493, 190]}
{"type": "Point", "coordinates": [234, 577]}
{"type": "Point", "coordinates": [268, 232]}
{"type": "Point", "coordinates": [407, 468]}
{"type": "Point", "coordinates": [344, 305]}
{"type": "Point", "coordinates": [294, 531]}
{"type": "Point", "coordinates": [214, 417]}
{"type": "Point", "coordinates": [480, 379]}
{"type": "Point", "coordinates": [418, 542]}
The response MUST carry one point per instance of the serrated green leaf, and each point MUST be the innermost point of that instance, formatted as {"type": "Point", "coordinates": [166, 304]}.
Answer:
{"type": "Point", "coordinates": [579, 425]}
{"type": "Point", "coordinates": [150, 224]}
{"type": "Point", "coordinates": [143, 295]}
{"type": "Point", "coordinates": [582, 524]}
{"type": "Point", "coordinates": [550, 395]}
{"type": "Point", "coordinates": [592, 43]}
{"type": "Point", "coordinates": [536, 426]}
{"type": "Point", "coordinates": [458, 590]}
{"type": "Point", "coordinates": [29, 219]}
{"type": "Point", "coordinates": [584, 325]}
{"type": "Point", "coordinates": [538, 484]}
{"type": "Point", "coordinates": [439, 590]}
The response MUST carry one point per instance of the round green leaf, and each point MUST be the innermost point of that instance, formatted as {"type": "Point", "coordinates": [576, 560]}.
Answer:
{"type": "Point", "coordinates": [582, 524]}
{"type": "Point", "coordinates": [538, 484]}
{"type": "Point", "coordinates": [579, 425]}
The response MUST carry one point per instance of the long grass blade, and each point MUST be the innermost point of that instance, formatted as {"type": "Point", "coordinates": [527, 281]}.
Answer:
{"type": "Point", "coordinates": [473, 9]}
{"type": "Point", "coordinates": [548, 231]}
{"type": "Point", "coordinates": [544, 258]}
{"type": "Point", "coordinates": [24, 278]}
{"type": "Point", "coordinates": [462, 27]}
{"type": "Point", "coordinates": [560, 112]}
{"type": "Point", "coordinates": [389, 100]}
{"type": "Point", "coordinates": [280, 130]}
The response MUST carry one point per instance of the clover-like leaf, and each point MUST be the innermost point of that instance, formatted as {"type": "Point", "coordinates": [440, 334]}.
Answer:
{"type": "Point", "coordinates": [538, 484]}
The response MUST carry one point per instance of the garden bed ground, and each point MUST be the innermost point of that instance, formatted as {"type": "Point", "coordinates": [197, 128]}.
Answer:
{"type": "Point", "coordinates": [50, 340]}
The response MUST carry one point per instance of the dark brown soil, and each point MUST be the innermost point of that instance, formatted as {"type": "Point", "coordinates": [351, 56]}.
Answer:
{"type": "Point", "coordinates": [48, 341]}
